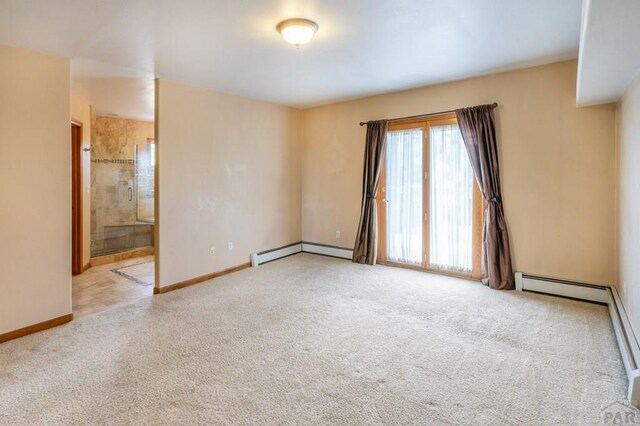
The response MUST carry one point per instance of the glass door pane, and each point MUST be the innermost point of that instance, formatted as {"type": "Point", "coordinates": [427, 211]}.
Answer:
{"type": "Point", "coordinates": [145, 193]}
{"type": "Point", "coordinates": [403, 196]}
{"type": "Point", "coordinates": [112, 205]}
{"type": "Point", "coordinates": [145, 174]}
{"type": "Point", "coordinates": [451, 201]}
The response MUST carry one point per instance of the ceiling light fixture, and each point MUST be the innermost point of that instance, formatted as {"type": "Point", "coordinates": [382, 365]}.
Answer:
{"type": "Point", "coordinates": [297, 31]}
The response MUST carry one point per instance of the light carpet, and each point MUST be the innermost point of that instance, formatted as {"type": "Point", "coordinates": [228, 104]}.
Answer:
{"type": "Point", "coordinates": [311, 339]}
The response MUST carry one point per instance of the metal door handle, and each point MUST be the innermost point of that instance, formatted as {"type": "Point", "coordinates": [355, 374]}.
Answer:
{"type": "Point", "coordinates": [130, 193]}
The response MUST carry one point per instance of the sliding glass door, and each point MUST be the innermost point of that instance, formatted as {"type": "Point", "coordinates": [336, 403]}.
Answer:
{"type": "Point", "coordinates": [403, 196]}
{"type": "Point", "coordinates": [430, 207]}
{"type": "Point", "coordinates": [450, 200]}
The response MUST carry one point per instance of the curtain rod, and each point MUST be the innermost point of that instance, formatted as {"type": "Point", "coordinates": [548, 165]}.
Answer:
{"type": "Point", "coordinates": [362, 123]}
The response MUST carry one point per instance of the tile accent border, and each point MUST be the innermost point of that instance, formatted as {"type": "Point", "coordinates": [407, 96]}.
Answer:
{"type": "Point", "coordinates": [113, 161]}
{"type": "Point", "coordinates": [131, 277]}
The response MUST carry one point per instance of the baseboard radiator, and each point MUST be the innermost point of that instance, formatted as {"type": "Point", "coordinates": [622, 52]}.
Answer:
{"type": "Point", "coordinates": [606, 295]}
{"type": "Point", "coordinates": [301, 247]}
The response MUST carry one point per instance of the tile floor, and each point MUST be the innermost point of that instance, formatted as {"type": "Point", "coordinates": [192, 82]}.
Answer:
{"type": "Point", "coordinates": [103, 287]}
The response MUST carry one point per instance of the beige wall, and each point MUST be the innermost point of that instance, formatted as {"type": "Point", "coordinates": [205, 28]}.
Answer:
{"type": "Point", "coordinates": [228, 170]}
{"type": "Point", "coordinates": [234, 169]}
{"type": "Point", "coordinates": [81, 111]}
{"type": "Point", "coordinates": [628, 203]}
{"type": "Point", "coordinates": [557, 166]}
{"type": "Point", "coordinates": [35, 188]}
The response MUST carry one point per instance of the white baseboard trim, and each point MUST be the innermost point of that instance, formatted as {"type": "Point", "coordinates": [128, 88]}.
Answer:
{"type": "Point", "coordinates": [608, 295]}
{"type": "Point", "coordinates": [306, 247]}
{"type": "Point", "coordinates": [565, 288]}
{"type": "Point", "coordinates": [326, 250]}
{"type": "Point", "coordinates": [628, 344]}
{"type": "Point", "coordinates": [271, 255]}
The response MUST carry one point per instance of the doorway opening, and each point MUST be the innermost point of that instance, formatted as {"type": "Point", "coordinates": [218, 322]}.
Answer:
{"type": "Point", "coordinates": [113, 166]}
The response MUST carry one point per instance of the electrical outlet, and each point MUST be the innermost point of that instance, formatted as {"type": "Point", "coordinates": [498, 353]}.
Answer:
{"type": "Point", "coordinates": [230, 245]}
{"type": "Point", "coordinates": [337, 235]}
{"type": "Point", "coordinates": [212, 250]}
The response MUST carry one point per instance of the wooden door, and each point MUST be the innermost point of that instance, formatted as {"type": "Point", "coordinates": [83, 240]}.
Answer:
{"type": "Point", "coordinates": [76, 198]}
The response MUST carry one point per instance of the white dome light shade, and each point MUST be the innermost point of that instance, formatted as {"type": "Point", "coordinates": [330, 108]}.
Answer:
{"type": "Point", "coordinates": [297, 31]}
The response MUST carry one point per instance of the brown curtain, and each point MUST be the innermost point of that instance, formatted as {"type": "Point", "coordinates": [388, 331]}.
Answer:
{"type": "Point", "coordinates": [366, 247]}
{"type": "Point", "coordinates": [479, 134]}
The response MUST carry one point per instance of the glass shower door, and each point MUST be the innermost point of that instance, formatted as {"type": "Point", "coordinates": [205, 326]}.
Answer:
{"type": "Point", "coordinates": [112, 202]}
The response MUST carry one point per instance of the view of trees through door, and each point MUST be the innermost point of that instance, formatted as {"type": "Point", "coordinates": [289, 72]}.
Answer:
{"type": "Point", "coordinates": [429, 203]}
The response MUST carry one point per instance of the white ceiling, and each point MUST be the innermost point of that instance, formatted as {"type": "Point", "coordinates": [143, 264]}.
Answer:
{"type": "Point", "coordinates": [609, 51]}
{"type": "Point", "coordinates": [362, 47]}
{"type": "Point", "coordinates": [114, 90]}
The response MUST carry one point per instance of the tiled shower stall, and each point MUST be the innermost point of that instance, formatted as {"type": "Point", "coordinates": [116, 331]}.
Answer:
{"type": "Point", "coordinates": [122, 185]}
